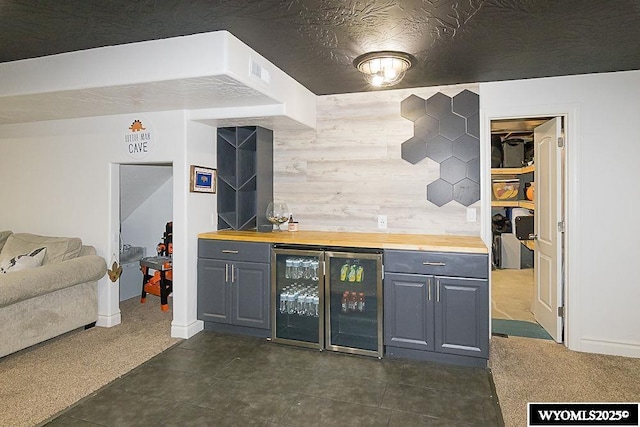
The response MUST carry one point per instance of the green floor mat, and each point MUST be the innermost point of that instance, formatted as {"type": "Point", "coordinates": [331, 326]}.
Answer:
{"type": "Point", "coordinates": [518, 328]}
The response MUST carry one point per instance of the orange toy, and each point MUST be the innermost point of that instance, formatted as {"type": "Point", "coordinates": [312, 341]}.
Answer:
{"type": "Point", "coordinates": [153, 285]}
{"type": "Point", "coordinates": [160, 283]}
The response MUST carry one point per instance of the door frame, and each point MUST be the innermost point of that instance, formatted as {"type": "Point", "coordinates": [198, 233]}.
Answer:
{"type": "Point", "coordinates": [569, 113]}
{"type": "Point", "coordinates": [109, 302]}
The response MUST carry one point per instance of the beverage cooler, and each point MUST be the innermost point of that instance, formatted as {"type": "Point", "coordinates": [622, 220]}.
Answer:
{"type": "Point", "coordinates": [328, 299]}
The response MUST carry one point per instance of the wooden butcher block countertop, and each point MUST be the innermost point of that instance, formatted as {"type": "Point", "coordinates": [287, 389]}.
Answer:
{"type": "Point", "coordinates": [412, 242]}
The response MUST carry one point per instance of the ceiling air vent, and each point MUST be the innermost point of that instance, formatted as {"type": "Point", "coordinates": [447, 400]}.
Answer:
{"type": "Point", "coordinates": [260, 72]}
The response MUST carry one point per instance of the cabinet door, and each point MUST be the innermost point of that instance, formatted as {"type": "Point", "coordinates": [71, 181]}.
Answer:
{"type": "Point", "coordinates": [408, 311]}
{"type": "Point", "coordinates": [214, 298]}
{"type": "Point", "coordinates": [462, 316]}
{"type": "Point", "coordinates": [250, 290]}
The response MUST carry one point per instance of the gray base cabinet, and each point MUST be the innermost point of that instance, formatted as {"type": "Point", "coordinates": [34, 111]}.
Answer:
{"type": "Point", "coordinates": [409, 311]}
{"type": "Point", "coordinates": [436, 306]}
{"type": "Point", "coordinates": [233, 284]}
{"type": "Point", "coordinates": [462, 316]}
{"type": "Point", "coordinates": [214, 298]}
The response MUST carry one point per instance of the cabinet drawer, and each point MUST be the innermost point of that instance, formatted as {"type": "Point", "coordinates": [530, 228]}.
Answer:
{"type": "Point", "coordinates": [437, 263]}
{"type": "Point", "coordinates": [234, 251]}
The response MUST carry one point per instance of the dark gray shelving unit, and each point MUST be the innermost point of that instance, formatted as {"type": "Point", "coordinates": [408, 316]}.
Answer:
{"type": "Point", "coordinates": [245, 177]}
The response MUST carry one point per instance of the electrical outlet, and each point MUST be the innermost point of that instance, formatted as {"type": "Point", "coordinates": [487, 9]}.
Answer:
{"type": "Point", "coordinates": [382, 221]}
{"type": "Point", "coordinates": [471, 215]}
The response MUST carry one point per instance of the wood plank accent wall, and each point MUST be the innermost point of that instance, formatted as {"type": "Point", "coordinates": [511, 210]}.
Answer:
{"type": "Point", "coordinates": [348, 170]}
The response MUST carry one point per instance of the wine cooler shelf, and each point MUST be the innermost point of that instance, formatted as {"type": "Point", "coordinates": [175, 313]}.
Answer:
{"type": "Point", "coordinates": [301, 300]}
{"type": "Point", "coordinates": [328, 299]}
{"type": "Point", "coordinates": [302, 268]}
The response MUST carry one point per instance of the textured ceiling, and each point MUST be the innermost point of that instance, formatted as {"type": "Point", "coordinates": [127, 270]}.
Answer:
{"type": "Point", "coordinates": [315, 41]}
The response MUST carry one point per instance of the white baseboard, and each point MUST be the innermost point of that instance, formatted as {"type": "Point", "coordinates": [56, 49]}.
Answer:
{"type": "Point", "coordinates": [107, 321]}
{"type": "Point", "coordinates": [186, 331]}
{"type": "Point", "coordinates": [627, 349]}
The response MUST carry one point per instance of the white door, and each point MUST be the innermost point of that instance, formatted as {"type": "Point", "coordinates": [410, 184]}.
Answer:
{"type": "Point", "coordinates": [548, 214]}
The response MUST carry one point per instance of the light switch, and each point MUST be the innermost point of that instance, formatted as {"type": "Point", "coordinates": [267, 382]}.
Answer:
{"type": "Point", "coordinates": [471, 215]}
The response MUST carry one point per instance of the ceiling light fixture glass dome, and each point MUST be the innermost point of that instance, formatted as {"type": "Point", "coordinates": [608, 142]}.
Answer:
{"type": "Point", "coordinates": [384, 68]}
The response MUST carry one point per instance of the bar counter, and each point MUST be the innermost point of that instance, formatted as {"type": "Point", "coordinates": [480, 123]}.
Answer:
{"type": "Point", "coordinates": [412, 242]}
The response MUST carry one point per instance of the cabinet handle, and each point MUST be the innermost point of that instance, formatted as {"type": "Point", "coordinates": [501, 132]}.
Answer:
{"type": "Point", "coordinates": [437, 290]}
{"type": "Point", "coordinates": [229, 251]}
{"type": "Point", "coordinates": [233, 275]}
{"type": "Point", "coordinates": [437, 264]}
{"type": "Point", "coordinates": [429, 288]}
{"type": "Point", "coordinates": [226, 272]}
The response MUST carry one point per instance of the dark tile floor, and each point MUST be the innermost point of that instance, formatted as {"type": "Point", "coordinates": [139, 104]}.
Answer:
{"type": "Point", "coordinates": [213, 379]}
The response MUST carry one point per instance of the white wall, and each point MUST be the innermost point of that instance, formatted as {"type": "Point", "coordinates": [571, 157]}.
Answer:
{"type": "Point", "coordinates": [196, 214]}
{"type": "Point", "coordinates": [146, 224]}
{"type": "Point", "coordinates": [602, 160]}
{"type": "Point", "coordinates": [59, 179]}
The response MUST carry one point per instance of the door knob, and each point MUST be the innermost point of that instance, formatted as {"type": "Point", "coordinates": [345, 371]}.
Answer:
{"type": "Point", "coordinates": [533, 236]}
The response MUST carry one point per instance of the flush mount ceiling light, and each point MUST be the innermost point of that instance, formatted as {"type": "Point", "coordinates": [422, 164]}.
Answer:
{"type": "Point", "coordinates": [383, 69]}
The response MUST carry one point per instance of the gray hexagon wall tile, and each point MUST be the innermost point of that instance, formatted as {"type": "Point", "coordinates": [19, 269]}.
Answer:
{"type": "Point", "coordinates": [464, 192]}
{"type": "Point", "coordinates": [453, 170]}
{"type": "Point", "coordinates": [465, 103]}
{"type": "Point", "coordinates": [447, 130]}
{"type": "Point", "coordinates": [439, 192]}
{"type": "Point", "coordinates": [452, 126]}
{"type": "Point", "coordinates": [466, 147]}
{"type": "Point", "coordinates": [473, 170]}
{"type": "Point", "coordinates": [439, 148]}
{"type": "Point", "coordinates": [426, 127]}
{"type": "Point", "coordinates": [438, 105]}
{"type": "Point", "coordinates": [473, 125]}
{"type": "Point", "coordinates": [413, 108]}
{"type": "Point", "coordinates": [414, 149]}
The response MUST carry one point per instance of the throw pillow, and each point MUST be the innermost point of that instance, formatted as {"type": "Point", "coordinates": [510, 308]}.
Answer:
{"type": "Point", "coordinates": [58, 248]}
{"type": "Point", "coordinates": [4, 235]}
{"type": "Point", "coordinates": [23, 262]}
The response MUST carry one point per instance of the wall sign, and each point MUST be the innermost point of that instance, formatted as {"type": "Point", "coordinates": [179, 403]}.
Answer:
{"type": "Point", "coordinates": [202, 179]}
{"type": "Point", "coordinates": [138, 139]}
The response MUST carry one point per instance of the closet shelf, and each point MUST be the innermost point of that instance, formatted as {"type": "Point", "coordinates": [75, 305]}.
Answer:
{"type": "Point", "coordinates": [527, 204]}
{"type": "Point", "coordinates": [513, 171]}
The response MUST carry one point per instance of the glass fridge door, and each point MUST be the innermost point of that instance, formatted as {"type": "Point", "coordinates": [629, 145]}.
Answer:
{"type": "Point", "coordinates": [297, 290]}
{"type": "Point", "coordinates": [353, 292]}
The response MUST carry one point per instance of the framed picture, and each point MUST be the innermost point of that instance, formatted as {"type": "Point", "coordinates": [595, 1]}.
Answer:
{"type": "Point", "coordinates": [203, 180]}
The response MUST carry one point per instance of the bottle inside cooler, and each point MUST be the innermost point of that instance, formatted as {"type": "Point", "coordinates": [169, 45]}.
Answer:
{"type": "Point", "coordinates": [298, 298]}
{"type": "Point", "coordinates": [353, 293]}
{"type": "Point", "coordinates": [328, 299]}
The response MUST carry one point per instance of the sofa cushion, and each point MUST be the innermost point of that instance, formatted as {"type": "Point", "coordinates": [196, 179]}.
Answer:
{"type": "Point", "coordinates": [4, 235]}
{"type": "Point", "coordinates": [26, 284]}
{"type": "Point", "coordinates": [32, 259]}
{"type": "Point", "coordinates": [58, 248]}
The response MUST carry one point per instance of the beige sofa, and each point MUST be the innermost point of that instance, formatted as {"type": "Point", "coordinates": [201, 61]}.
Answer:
{"type": "Point", "coordinates": [39, 303]}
